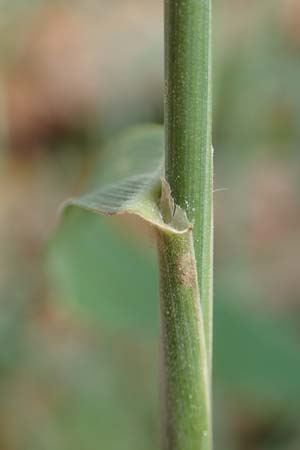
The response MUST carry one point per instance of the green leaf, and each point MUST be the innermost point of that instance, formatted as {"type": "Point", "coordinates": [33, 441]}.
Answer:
{"type": "Point", "coordinates": [135, 151]}
{"type": "Point", "coordinates": [256, 354]}
{"type": "Point", "coordinates": [93, 267]}
{"type": "Point", "coordinates": [131, 182]}
{"type": "Point", "coordinates": [138, 195]}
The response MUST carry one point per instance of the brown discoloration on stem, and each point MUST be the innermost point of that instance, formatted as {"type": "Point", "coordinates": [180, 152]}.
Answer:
{"type": "Point", "coordinates": [187, 270]}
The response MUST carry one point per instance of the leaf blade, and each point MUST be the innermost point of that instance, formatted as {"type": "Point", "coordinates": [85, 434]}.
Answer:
{"type": "Point", "coordinates": [132, 182]}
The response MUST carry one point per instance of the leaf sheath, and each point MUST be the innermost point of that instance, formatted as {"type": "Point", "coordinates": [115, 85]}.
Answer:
{"type": "Point", "coordinates": [184, 368]}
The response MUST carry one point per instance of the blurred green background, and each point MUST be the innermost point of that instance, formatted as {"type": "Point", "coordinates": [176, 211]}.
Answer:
{"type": "Point", "coordinates": [78, 342]}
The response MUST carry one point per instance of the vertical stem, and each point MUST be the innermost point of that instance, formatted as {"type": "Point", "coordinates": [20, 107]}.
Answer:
{"type": "Point", "coordinates": [186, 283]}
{"type": "Point", "coordinates": [189, 159]}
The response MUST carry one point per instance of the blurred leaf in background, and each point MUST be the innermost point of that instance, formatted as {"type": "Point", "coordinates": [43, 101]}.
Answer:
{"type": "Point", "coordinates": [79, 345]}
{"type": "Point", "coordinates": [256, 357]}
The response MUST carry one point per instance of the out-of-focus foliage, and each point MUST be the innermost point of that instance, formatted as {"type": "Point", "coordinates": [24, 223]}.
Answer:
{"type": "Point", "coordinates": [78, 344]}
{"type": "Point", "coordinates": [256, 357]}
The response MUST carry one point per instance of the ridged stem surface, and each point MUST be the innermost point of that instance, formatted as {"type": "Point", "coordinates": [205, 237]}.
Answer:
{"type": "Point", "coordinates": [189, 155]}
{"type": "Point", "coordinates": [186, 261]}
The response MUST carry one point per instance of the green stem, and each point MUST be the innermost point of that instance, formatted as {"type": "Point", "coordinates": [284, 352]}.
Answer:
{"type": "Point", "coordinates": [187, 406]}
{"type": "Point", "coordinates": [186, 263]}
{"type": "Point", "coordinates": [189, 159]}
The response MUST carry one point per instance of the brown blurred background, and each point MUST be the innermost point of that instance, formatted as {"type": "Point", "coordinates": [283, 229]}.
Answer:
{"type": "Point", "coordinates": [78, 343]}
